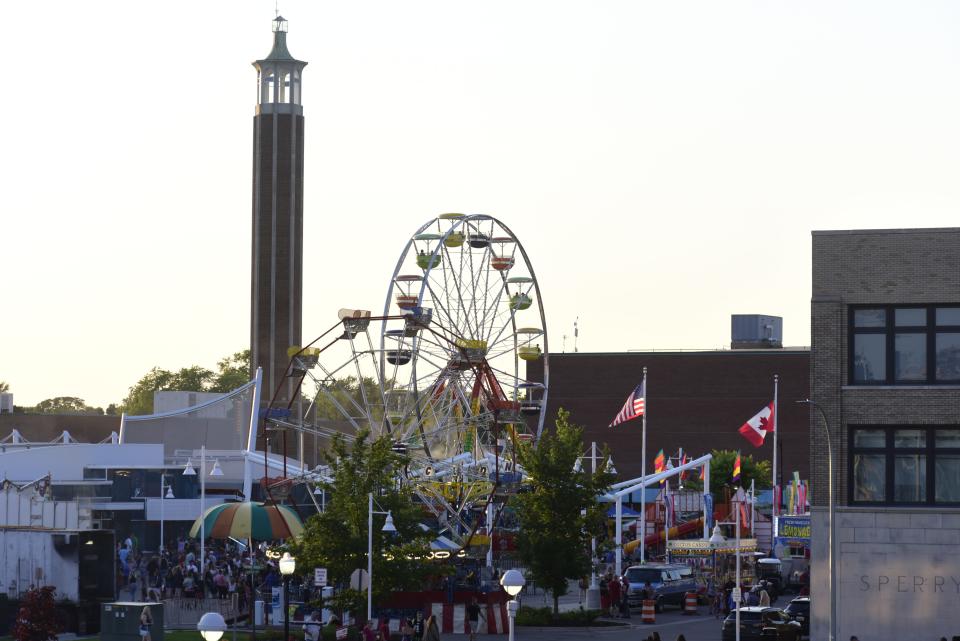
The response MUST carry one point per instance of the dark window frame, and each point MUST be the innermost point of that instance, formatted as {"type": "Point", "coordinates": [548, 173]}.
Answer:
{"type": "Point", "coordinates": [889, 331]}
{"type": "Point", "coordinates": [930, 450]}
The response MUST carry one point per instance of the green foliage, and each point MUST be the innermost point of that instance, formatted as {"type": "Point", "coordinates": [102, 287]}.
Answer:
{"type": "Point", "coordinates": [345, 392]}
{"type": "Point", "coordinates": [544, 617]}
{"type": "Point", "coordinates": [554, 537]}
{"type": "Point", "coordinates": [139, 400]}
{"type": "Point", "coordinates": [337, 538]}
{"type": "Point", "coordinates": [721, 472]}
{"type": "Point", "coordinates": [191, 379]}
{"type": "Point", "coordinates": [37, 618]}
{"type": "Point", "coordinates": [66, 405]}
{"type": "Point", "coordinates": [232, 372]}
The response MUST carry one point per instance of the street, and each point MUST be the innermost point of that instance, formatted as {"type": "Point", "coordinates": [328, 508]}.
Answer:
{"type": "Point", "coordinates": [669, 625]}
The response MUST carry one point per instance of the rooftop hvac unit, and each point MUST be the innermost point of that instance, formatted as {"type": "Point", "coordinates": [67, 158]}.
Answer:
{"type": "Point", "coordinates": [755, 331]}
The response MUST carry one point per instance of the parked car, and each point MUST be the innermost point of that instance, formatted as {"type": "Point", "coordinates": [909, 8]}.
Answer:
{"type": "Point", "coordinates": [668, 584]}
{"type": "Point", "coordinates": [799, 611]}
{"type": "Point", "coordinates": [754, 620]}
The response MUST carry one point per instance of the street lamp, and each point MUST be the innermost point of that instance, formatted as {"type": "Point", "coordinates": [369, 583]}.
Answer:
{"type": "Point", "coordinates": [163, 496]}
{"type": "Point", "coordinates": [512, 582]}
{"type": "Point", "coordinates": [830, 507]}
{"type": "Point", "coordinates": [188, 470]}
{"type": "Point", "coordinates": [287, 566]}
{"type": "Point", "coordinates": [212, 626]}
{"type": "Point", "coordinates": [593, 594]}
{"type": "Point", "coordinates": [716, 540]}
{"type": "Point", "coordinates": [388, 527]}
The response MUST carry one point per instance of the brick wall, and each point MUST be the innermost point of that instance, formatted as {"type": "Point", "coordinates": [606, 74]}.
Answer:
{"type": "Point", "coordinates": [872, 267]}
{"type": "Point", "coordinates": [695, 400]}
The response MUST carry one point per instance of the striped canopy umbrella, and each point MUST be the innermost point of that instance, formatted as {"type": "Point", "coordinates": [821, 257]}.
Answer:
{"type": "Point", "coordinates": [249, 520]}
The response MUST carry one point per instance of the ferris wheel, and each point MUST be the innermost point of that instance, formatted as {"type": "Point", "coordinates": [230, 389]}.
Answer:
{"type": "Point", "coordinates": [445, 363]}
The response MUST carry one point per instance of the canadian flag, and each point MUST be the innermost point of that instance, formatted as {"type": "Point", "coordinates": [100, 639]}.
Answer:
{"type": "Point", "coordinates": [755, 430]}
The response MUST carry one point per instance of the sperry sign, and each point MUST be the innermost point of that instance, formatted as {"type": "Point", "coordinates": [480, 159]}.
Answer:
{"type": "Point", "coordinates": [910, 583]}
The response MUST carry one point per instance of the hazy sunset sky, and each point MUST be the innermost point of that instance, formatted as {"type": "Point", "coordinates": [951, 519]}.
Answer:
{"type": "Point", "coordinates": [663, 163]}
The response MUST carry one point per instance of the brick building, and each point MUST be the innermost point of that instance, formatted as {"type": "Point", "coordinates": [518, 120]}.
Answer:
{"type": "Point", "coordinates": [885, 371]}
{"type": "Point", "coordinates": [695, 400]}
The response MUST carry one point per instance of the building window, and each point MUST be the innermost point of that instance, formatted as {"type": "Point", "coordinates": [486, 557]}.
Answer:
{"type": "Point", "coordinates": [904, 465]}
{"type": "Point", "coordinates": [905, 345]}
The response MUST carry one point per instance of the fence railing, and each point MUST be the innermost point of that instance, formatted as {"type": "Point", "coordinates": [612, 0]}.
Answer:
{"type": "Point", "coordinates": [186, 611]}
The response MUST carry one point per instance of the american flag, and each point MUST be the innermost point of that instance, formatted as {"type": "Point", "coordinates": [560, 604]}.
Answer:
{"type": "Point", "coordinates": [634, 406]}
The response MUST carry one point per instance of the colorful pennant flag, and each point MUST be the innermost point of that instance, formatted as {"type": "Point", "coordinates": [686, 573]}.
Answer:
{"type": "Point", "coordinates": [757, 428]}
{"type": "Point", "coordinates": [736, 469]}
{"type": "Point", "coordinates": [683, 473]}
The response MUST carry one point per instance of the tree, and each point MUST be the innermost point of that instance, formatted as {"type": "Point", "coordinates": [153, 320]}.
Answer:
{"type": "Point", "coordinates": [66, 405]}
{"type": "Point", "coordinates": [347, 393]}
{"type": "Point", "coordinates": [232, 372]}
{"type": "Point", "coordinates": [337, 538]}
{"type": "Point", "coordinates": [4, 387]}
{"type": "Point", "coordinates": [721, 472]}
{"type": "Point", "coordinates": [139, 399]}
{"type": "Point", "coordinates": [37, 618]}
{"type": "Point", "coordinates": [560, 512]}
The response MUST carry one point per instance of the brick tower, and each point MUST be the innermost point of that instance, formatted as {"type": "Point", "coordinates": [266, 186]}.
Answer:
{"type": "Point", "coordinates": [277, 265]}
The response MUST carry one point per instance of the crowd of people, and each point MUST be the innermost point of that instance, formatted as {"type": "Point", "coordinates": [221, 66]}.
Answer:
{"type": "Point", "coordinates": [175, 571]}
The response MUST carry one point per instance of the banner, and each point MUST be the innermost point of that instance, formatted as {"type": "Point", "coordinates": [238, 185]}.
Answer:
{"type": "Point", "coordinates": [794, 530]}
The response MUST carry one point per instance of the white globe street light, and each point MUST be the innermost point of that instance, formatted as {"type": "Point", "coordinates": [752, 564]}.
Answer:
{"type": "Point", "coordinates": [211, 626]}
{"type": "Point", "coordinates": [288, 565]}
{"type": "Point", "coordinates": [512, 582]}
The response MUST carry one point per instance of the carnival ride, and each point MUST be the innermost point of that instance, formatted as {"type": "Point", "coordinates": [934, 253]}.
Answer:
{"type": "Point", "coordinates": [441, 371]}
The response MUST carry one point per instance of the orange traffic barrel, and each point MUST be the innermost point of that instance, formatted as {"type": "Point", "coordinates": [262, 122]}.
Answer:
{"type": "Point", "coordinates": [690, 603]}
{"type": "Point", "coordinates": [647, 614]}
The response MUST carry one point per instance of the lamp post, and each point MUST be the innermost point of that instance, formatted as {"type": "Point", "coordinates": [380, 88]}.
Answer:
{"type": "Point", "coordinates": [212, 626]}
{"type": "Point", "coordinates": [577, 468]}
{"type": "Point", "coordinates": [287, 566]}
{"type": "Point", "coordinates": [512, 582]}
{"type": "Point", "coordinates": [831, 510]}
{"type": "Point", "coordinates": [388, 526]}
{"type": "Point", "coordinates": [189, 471]}
{"type": "Point", "coordinates": [717, 539]}
{"type": "Point", "coordinates": [168, 495]}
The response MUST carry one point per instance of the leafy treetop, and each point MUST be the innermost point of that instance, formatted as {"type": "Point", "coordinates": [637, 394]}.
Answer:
{"type": "Point", "coordinates": [559, 513]}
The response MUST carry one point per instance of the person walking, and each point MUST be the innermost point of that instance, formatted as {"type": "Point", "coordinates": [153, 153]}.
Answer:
{"type": "Point", "coordinates": [419, 627]}
{"type": "Point", "coordinates": [432, 632]}
{"type": "Point", "coordinates": [613, 589]}
{"type": "Point", "coordinates": [473, 618]}
{"type": "Point", "coordinates": [764, 598]}
{"type": "Point", "coordinates": [406, 630]}
{"type": "Point", "coordinates": [624, 597]}
{"type": "Point", "coordinates": [146, 620]}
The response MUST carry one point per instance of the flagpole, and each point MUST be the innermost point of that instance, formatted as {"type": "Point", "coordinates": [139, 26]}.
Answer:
{"type": "Point", "coordinates": [776, 412]}
{"type": "Point", "coordinates": [666, 521]}
{"type": "Point", "coordinates": [643, 471]}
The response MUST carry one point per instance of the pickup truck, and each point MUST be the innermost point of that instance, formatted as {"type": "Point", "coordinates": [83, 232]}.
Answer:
{"type": "Point", "coordinates": [668, 584]}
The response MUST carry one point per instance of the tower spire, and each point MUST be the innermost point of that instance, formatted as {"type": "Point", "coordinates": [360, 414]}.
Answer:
{"type": "Point", "coordinates": [277, 251]}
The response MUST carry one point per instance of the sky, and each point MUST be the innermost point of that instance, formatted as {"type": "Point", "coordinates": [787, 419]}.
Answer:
{"type": "Point", "coordinates": [663, 163]}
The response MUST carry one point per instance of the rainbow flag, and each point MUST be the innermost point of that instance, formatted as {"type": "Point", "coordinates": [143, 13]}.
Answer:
{"type": "Point", "coordinates": [736, 469]}
{"type": "Point", "coordinates": [659, 464]}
